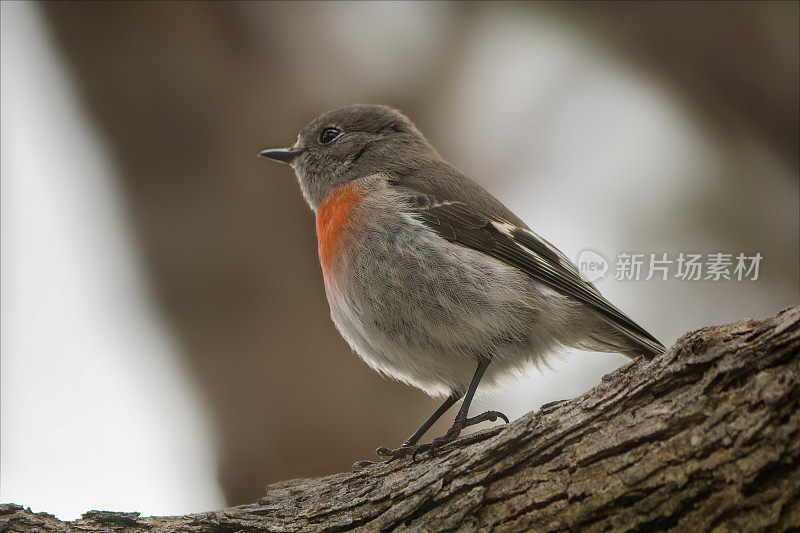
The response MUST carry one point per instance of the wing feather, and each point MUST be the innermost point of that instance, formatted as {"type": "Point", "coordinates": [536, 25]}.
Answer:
{"type": "Point", "coordinates": [522, 248]}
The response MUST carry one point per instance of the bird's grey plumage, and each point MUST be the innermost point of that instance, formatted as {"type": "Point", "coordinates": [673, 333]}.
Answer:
{"type": "Point", "coordinates": [437, 273]}
{"type": "Point", "coordinates": [522, 248]}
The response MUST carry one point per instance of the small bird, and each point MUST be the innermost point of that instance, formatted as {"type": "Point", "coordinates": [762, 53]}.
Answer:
{"type": "Point", "coordinates": [430, 279]}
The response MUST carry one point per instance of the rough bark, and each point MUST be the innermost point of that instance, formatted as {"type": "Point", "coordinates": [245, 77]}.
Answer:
{"type": "Point", "coordinates": [705, 437]}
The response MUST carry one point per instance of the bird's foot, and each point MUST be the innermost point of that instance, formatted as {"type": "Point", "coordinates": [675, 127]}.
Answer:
{"type": "Point", "coordinates": [363, 464]}
{"type": "Point", "coordinates": [454, 431]}
{"type": "Point", "coordinates": [391, 455]}
{"type": "Point", "coordinates": [397, 453]}
{"type": "Point", "coordinates": [488, 416]}
{"type": "Point", "coordinates": [402, 451]}
{"type": "Point", "coordinates": [451, 435]}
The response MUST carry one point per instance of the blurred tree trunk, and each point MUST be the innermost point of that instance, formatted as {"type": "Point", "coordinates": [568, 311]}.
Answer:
{"type": "Point", "coordinates": [705, 437]}
{"type": "Point", "coordinates": [733, 63]}
{"type": "Point", "coordinates": [185, 94]}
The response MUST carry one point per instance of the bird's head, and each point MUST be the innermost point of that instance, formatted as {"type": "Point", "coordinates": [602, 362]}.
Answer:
{"type": "Point", "coordinates": [348, 143]}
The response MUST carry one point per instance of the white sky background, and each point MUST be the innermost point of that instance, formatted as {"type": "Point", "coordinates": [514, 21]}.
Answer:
{"type": "Point", "coordinates": [585, 149]}
{"type": "Point", "coordinates": [96, 410]}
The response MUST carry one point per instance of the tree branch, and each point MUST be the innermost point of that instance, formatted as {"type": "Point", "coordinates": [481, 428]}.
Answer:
{"type": "Point", "coordinates": [705, 437]}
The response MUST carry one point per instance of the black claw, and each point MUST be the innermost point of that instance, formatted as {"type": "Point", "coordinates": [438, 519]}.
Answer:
{"type": "Point", "coordinates": [391, 455]}
{"type": "Point", "coordinates": [488, 416]}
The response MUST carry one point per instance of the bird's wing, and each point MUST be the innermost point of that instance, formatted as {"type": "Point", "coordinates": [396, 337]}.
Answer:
{"type": "Point", "coordinates": [522, 248]}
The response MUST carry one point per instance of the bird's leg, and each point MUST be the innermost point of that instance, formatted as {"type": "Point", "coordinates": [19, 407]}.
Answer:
{"type": "Point", "coordinates": [383, 451]}
{"type": "Point", "coordinates": [462, 421]}
{"type": "Point", "coordinates": [448, 403]}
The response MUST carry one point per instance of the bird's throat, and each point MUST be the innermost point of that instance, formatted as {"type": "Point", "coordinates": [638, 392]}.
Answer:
{"type": "Point", "coordinates": [334, 215]}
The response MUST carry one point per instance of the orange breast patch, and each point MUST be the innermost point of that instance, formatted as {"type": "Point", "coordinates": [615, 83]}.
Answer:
{"type": "Point", "coordinates": [333, 216]}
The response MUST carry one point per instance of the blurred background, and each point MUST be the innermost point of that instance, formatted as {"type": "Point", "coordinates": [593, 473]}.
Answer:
{"type": "Point", "coordinates": [166, 345]}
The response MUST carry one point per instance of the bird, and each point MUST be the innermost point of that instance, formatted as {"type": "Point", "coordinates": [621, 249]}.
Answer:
{"type": "Point", "coordinates": [430, 279]}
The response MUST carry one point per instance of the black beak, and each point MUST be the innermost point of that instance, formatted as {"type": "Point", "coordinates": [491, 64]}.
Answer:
{"type": "Point", "coordinates": [284, 155]}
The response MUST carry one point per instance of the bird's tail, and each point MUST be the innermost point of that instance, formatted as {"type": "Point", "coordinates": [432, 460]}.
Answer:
{"type": "Point", "coordinates": [606, 335]}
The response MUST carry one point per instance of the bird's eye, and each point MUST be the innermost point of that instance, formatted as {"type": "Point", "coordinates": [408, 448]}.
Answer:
{"type": "Point", "coordinates": [329, 134]}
